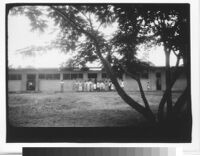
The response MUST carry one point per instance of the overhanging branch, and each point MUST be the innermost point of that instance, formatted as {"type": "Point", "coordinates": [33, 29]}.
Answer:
{"type": "Point", "coordinates": [75, 25]}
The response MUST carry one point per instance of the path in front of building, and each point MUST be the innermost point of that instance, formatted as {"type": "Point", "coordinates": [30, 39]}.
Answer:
{"type": "Point", "coordinates": [73, 109]}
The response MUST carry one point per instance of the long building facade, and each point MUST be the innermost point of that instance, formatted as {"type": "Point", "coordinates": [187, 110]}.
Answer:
{"type": "Point", "coordinates": [50, 80]}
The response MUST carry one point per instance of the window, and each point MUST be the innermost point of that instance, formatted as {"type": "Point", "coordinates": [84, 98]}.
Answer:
{"type": "Point", "coordinates": [41, 76]}
{"type": "Point", "coordinates": [158, 74]}
{"type": "Point", "coordinates": [56, 76]}
{"type": "Point", "coordinates": [72, 76]}
{"type": "Point", "coordinates": [31, 76]}
{"type": "Point", "coordinates": [145, 75]}
{"type": "Point", "coordinates": [92, 75]}
{"type": "Point", "coordinates": [14, 77]}
{"type": "Point", "coordinates": [80, 76]}
{"type": "Point", "coordinates": [49, 76]}
{"type": "Point", "coordinates": [66, 76]}
{"type": "Point", "coordinates": [104, 75]}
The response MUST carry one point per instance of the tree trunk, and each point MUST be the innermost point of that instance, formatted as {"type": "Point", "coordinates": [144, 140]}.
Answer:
{"type": "Point", "coordinates": [186, 61]}
{"type": "Point", "coordinates": [181, 101]}
{"type": "Point", "coordinates": [178, 60]}
{"type": "Point", "coordinates": [168, 81]}
{"type": "Point", "coordinates": [145, 112]}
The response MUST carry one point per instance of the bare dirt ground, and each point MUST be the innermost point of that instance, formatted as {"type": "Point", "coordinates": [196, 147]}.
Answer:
{"type": "Point", "coordinates": [73, 109]}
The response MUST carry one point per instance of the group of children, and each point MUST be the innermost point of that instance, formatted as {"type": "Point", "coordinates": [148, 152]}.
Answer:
{"type": "Point", "coordinates": [91, 86]}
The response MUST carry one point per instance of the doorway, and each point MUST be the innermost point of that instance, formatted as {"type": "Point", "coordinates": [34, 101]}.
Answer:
{"type": "Point", "coordinates": [158, 81]}
{"type": "Point", "coordinates": [30, 83]}
{"type": "Point", "coordinates": [92, 77]}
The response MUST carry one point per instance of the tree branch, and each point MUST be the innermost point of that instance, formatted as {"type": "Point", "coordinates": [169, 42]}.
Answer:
{"type": "Point", "coordinates": [141, 89]}
{"type": "Point", "coordinates": [168, 78]}
{"type": "Point", "coordinates": [180, 102]}
{"type": "Point", "coordinates": [99, 25]}
{"type": "Point", "coordinates": [88, 19]}
{"type": "Point", "coordinates": [178, 60]}
{"type": "Point", "coordinates": [75, 25]}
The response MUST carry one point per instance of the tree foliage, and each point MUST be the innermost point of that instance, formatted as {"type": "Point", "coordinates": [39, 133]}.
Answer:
{"type": "Point", "coordinates": [169, 25]}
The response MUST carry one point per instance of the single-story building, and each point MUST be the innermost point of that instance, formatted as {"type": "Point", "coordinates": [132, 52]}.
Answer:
{"type": "Point", "coordinates": [49, 79]}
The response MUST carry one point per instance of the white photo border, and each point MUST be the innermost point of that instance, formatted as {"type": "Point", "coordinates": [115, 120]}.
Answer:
{"type": "Point", "coordinates": [188, 148]}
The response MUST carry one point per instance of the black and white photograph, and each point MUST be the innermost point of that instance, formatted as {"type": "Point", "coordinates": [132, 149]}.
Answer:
{"type": "Point", "coordinates": [98, 72]}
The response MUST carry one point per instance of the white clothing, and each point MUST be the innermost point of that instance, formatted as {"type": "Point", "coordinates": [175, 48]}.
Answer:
{"type": "Point", "coordinates": [112, 87]}
{"type": "Point", "coordinates": [80, 88]}
{"type": "Point", "coordinates": [95, 86]}
{"type": "Point", "coordinates": [122, 84]}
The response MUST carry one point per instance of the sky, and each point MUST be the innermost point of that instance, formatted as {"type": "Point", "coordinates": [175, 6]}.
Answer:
{"type": "Point", "coordinates": [20, 36]}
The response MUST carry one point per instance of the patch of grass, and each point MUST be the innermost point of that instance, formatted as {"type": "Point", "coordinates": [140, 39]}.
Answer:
{"type": "Point", "coordinates": [72, 109]}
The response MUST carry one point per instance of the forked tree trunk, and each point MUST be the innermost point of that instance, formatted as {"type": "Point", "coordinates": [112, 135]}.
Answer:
{"type": "Point", "coordinates": [176, 75]}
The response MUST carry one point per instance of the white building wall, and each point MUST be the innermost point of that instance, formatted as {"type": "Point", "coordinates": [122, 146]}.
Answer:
{"type": "Point", "coordinates": [23, 82]}
{"type": "Point", "coordinates": [68, 85]}
{"type": "Point", "coordinates": [49, 85]}
{"type": "Point", "coordinates": [152, 80]}
{"type": "Point", "coordinates": [130, 84]}
{"type": "Point", "coordinates": [14, 85]}
{"type": "Point", "coordinates": [144, 84]}
{"type": "Point", "coordinates": [180, 84]}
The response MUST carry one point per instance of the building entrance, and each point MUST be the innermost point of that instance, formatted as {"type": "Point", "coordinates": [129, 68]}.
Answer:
{"type": "Point", "coordinates": [92, 76]}
{"type": "Point", "coordinates": [30, 84]}
{"type": "Point", "coordinates": [158, 81]}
